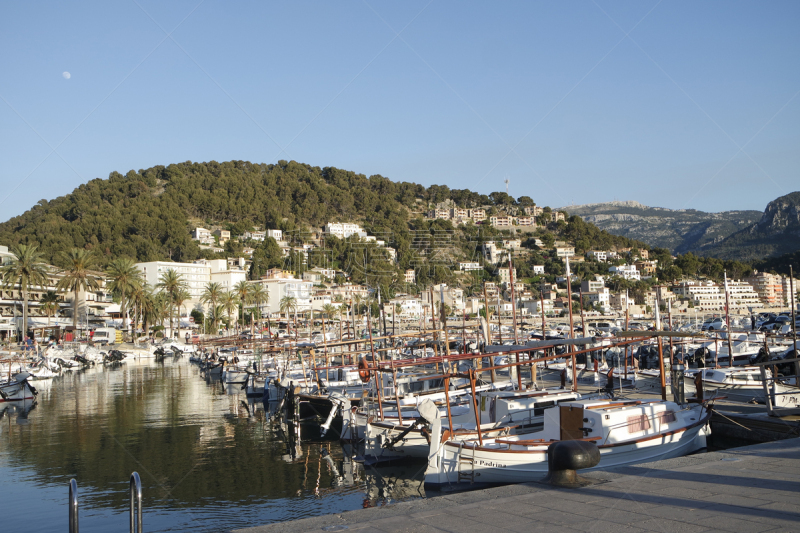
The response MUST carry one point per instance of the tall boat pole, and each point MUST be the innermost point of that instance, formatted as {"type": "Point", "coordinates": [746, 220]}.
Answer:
{"type": "Point", "coordinates": [513, 305]}
{"type": "Point", "coordinates": [583, 322]}
{"type": "Point", "coordinates": [627, 318]}
{"type": "Point", "coordinates": [660, 350]}
{"type": "Point", "coordinates": [794, 317]}
{"type": "Point", "coordinates": [541, 308]}
{"type": "Point", "coordinates": [487, 331]}
{"type": "Point", "coordinates": [728, 321]}
{"type": "Point", "coordinates": [569, 299]}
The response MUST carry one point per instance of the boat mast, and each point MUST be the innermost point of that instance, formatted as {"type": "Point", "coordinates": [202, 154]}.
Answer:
{"type": "Point", "coordinates": [728, 321]}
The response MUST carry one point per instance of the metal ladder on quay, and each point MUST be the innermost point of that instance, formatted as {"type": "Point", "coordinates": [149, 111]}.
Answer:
{"type": "Point", "coordinates": [136, 505]}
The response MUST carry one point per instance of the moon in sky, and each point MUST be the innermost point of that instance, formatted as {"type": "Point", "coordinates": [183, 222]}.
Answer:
{"type": "Point", "coordinates": [66, 75]}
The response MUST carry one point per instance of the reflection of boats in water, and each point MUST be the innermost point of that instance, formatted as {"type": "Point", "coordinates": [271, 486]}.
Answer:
{"type": "Point", "coordinates": [391, 484]}
{"type": "Point", "coordinates": [20, 409]}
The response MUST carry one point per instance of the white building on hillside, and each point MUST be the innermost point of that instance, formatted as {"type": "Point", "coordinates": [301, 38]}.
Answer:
{"type": "Point", "coordinates": [344, 230]}
{"type": "Point", "coordinates": [255, 235]}
{"type": "Point", "coordinates": [410, 306]}
{"type": "Point", "coordinates": [281, 285]}
{"type": "Point", "coordinates": [626, 272]}
{"type": "Point", "coordinates": [202, 235]}
{"type": "Point", "coordinates": [709, 296]}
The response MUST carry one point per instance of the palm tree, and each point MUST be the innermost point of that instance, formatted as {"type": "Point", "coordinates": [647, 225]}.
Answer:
{"type": "Point", "coordinates": [171, 283]}
{"type": "Point", "coordinates": [258, 296]}
{"type": "Point", "coordinates": [179, 298]}
{"type": "Point", "coordinates": [144, 305]}
{"type": "Point", "coordinates": [230, 301]}
{"type": "Point", "coordinates": [216, 313]}
{"type": "Point", "coordinates": [123, 278]}
{"type": "Point", "coordinates": [289, 303]}
{"type": "Point", "coordinates": [212, 294]}
{"type": "Point", "coordinates": [49, 304]}
{"type": "Point", "coordinates": [162, 307]}
{"type": "Point", "coordinates": [78, 277]}
{"type": "Point", "coordinates": [242, 290]}
{"type": "Point", "coordinates": [25, 270]}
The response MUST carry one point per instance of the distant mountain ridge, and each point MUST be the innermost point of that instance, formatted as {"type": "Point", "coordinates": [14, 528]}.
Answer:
{"type": "Point", "coordinates": [777, 232]}
{"type": "Point", "coordinates": [680, 230]}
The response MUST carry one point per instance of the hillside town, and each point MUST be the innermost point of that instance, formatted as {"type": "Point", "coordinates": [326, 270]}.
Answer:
{"type": "Point", "coordinates": [489, 278]}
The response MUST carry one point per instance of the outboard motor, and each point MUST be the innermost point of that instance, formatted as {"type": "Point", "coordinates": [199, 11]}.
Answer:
{"type": "Point", "coordinates": [340, 402]}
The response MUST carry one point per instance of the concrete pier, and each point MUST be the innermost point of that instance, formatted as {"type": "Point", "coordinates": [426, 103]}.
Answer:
{"type": "Point", "coordinates": [750, 489]}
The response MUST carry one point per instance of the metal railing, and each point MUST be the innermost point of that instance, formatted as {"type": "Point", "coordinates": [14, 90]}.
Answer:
{"type": "Point", "coordinates": [136, 504]}
{"type": "Point", "coordinates": [73, 506]}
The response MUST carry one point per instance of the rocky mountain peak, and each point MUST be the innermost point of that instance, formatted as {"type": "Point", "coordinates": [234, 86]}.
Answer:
{"type": "Point", "coordinates": [781, 214]}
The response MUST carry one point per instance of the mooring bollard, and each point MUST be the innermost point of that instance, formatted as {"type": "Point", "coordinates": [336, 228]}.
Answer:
{"type": "Point", "coordinates": [565, 457]}
{"type": "Point", "coordinates": [73, 506]}
{"type": "Point", "coordinates": [136, 498]}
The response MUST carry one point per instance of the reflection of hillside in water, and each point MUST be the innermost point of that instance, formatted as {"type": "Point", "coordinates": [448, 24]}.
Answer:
{"type": "Point", "coordinates": [196, 445]}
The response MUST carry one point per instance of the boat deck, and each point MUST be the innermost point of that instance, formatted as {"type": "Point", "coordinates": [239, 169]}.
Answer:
{"type": "Point", "coordinates": [748, 489]}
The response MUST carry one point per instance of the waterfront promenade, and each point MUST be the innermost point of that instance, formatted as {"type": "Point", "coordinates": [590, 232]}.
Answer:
{"type": "Point", "coordinates": [748, 489]}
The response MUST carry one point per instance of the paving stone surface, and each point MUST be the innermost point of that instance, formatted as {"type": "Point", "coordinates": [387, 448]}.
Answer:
{"type": "Point", "coordinates": [749, 489]}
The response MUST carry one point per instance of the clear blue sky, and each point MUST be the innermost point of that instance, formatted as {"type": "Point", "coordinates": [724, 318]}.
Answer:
{"type": "Point", "coordinates": [697, 107]}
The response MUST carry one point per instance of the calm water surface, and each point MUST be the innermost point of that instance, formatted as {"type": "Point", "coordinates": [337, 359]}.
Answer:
{"type": "Point", "coordinates": [205, 462]}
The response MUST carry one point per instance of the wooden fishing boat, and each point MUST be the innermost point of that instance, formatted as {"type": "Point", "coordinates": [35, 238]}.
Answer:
{"type": "Point", "coordinates": [625, 432]}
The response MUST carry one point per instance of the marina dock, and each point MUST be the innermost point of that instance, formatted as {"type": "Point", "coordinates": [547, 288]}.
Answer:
{"type": "Point", "coordinates": [748, 489]}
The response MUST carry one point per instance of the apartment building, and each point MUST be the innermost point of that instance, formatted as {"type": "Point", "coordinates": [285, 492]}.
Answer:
{"type": "Point", "coordinates": [597, 255]}
{"type": "Point", "coordinates": [410, 276]}
{"type": "Point", "coordinates": [647, 268]}
{"type": "Point", "coordinates": [202, 235]}
{"type": "Point", "coordinates": [533, 210]}
{"type": "Point", "coordinates": [526, 221]}
{"type": "Point", "coordinates": [592, 286]}
{"type": "Point", "coordinates": [453, 297]}
{"type": "Point", "coordinates": [565, 251]}
{"type": "Point", "coordinates": [469, 267]}
{"type": "Point", "coordinates": [477, 215]}
{"type": "Point", "coordinates": [708, 296]}
{"type": "Point", "coordinates": [457, 212]}
{"type": "Point", "coordinates": [505, 276]}
{"type": "Point", "coordinates": [626, 272]}
{"type": "Point", "coordinates": [501, 221]}
{"type": "Point", "coordinates": [222, 235]}
{"type": "Point", "coordinates": [195, 275]}
{"type": "Point", "coordinates": [254, 235]}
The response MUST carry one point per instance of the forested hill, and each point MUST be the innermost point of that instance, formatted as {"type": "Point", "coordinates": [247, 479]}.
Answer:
{"type": "Point", "coordinates": [148, 215]}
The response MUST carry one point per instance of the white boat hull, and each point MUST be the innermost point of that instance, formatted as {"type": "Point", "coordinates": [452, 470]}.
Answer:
{"type": "Point", "coordinates": [499, 467]}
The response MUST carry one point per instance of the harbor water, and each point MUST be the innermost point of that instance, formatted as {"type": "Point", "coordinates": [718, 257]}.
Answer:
{"type": "Point", "coordinates": [209, 460]}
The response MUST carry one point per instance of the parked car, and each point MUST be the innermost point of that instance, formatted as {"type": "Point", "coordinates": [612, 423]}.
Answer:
{"type": "Point", "coordinates": [714, 324]}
